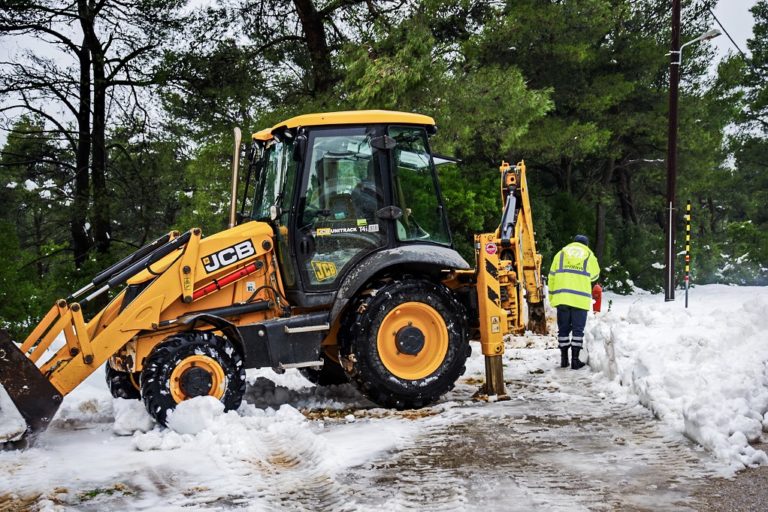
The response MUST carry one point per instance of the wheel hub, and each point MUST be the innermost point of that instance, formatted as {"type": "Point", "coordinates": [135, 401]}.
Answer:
{"type": "Point", "coordinates": [195, 382]}
{"type": "Point", "coordinates": [412, 340]}
{"type": "Point", "coordinates": [197, 375]}
{"type": "Point", "coordinates": [409, 340]}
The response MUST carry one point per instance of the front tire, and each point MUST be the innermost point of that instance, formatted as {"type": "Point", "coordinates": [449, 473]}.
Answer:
{"type": "Point", "coordinates": [123, 384]}
{"type": "Point", "coordinates": [191, 364]}
{"type": "Point", "coordinates": [405, 343]}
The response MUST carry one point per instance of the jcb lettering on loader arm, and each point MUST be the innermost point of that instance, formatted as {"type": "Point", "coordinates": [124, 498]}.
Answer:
{"type": "Point", "coordinates": [343, 268]}
{"type": "Point", "coordinates": [228, 256]}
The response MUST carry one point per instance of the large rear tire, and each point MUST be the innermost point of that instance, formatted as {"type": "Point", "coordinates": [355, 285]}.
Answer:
{"type": "Point", "coordinates": [405, 343]}
{"type": "Point", "coordinates": [123, 384]}
{"type": "Point", "coordinates": [191, 364]}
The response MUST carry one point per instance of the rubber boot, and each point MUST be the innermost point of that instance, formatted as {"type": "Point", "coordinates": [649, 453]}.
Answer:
{"type": "Point", "coordinates": [575, 363]}
{"type": "Point", "coordinates": [564, 358]}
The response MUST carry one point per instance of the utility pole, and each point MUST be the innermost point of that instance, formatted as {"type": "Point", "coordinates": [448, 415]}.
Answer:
{"type": "Point", "coordinates": [675, 61]}
{"type": "Point", "coordinates": [674, 81]}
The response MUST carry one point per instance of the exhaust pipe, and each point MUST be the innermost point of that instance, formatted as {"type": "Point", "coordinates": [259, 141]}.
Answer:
{"type": "Point", "coordinates": [235, 166]}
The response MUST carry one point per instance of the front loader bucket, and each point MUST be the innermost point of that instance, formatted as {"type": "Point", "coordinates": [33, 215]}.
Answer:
{"type": "Point", "coordinates": [34, 396]}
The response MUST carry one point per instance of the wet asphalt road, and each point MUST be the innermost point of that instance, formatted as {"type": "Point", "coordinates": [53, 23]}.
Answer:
{"type": "Point", "coordinates": [557, 445]}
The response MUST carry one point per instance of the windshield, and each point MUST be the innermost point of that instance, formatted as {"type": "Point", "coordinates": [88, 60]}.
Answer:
{"type": "Point", "coordinates": [271, 180]}
{"type": "Point", "coordinates": [341, 164]}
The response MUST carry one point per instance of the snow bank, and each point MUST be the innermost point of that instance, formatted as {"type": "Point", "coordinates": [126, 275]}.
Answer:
{"type": "Point", "coordinates": [12, 425]}
{"type": "Point", "coordinates": [703, 370]}
{"type": "Point", "coordinates": [130, 416]}
{"type": "Point", "coordinates": [194, 416]}
{"type": "Point", "coordinates": [264, 437]}
{"type": "Point", "coordinates": [266, 428]}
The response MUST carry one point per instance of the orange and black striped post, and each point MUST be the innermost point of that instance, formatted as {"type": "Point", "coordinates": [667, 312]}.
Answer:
{"type": "Point", "coordinates": [687, 249]}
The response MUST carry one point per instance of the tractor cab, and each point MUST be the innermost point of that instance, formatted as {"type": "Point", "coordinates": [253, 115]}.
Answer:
{"type": "Point", "coordinates": [338, 187]}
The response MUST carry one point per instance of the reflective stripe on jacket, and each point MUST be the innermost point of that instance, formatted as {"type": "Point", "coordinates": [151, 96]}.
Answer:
{"type": "Point", "coordinates": [571, 275]}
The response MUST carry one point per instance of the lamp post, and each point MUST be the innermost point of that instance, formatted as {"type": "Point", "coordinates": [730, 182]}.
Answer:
{"type": "Point", "coordinates": [676, 54]}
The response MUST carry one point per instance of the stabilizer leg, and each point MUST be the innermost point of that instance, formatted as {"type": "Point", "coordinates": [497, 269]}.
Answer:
{"type": "Point", "coordinates": [494, 376]}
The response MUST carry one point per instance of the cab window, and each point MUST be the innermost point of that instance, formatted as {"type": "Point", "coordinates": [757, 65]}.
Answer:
{"type": "Point", "coordinates": [415, 188]}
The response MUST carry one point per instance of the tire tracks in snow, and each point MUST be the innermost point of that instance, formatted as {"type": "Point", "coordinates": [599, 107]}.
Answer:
{"type": "Point", "coordinates": [557, 445]}
{"type": "Point", "coordinates": [297, 479]}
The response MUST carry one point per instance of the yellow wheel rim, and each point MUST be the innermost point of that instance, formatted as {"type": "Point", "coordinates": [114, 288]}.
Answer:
{"type": "Point", "coordinates": [205, 363]}
{"type": "Point", "coordinates": [415, 361]}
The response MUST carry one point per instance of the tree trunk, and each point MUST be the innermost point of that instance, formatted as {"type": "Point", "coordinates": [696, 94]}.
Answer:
{"type": "Point", "coordinates": [38, 219]}
{"type": "Point", "coordinates": [624, 193]}
{"type": "Point", "coordinates": [100, 212]}
{"type": "Point", "coordinates": [317, 45]}
{"type": "Point", "coordinates": [602, 196]}
{"type": "Point", "coordinates": [101, 215]}
{"type": "Point", "coordinates": [81, 242]}
{"type": "Point", "coordinates": [600, 229]}
{"type": "Point", "coordinates": [566, 169]}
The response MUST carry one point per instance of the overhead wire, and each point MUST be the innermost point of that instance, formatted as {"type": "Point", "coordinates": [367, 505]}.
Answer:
{"type": "Point", "coordinates": [743, 55]}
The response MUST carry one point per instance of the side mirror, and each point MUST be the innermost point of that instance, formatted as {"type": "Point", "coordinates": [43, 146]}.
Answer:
{"type": "Point", "coordinates": [300, 148]}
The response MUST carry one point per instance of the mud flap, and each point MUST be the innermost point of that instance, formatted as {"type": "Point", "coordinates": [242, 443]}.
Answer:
{"type": "Point", "coordinates": [34, 396]}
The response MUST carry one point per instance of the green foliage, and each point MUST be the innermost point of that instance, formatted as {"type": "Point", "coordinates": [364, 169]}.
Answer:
{"type": "Point", "coordinates": [568, 218]}
{"type": "Point", "coordinates": [148, 184]}
{"type": "Point", "coordinates": [15, 291]}
{"type": "Point", "coordinates": [577, 88]}
{"type": "Point", "coordinates": [202, 103]}
{"type": "Point", "coordinates": [395, 70]}
{"type": "Point", "coordinates": [638, 261]}
{"type": "Point", "coordinates": [205, 202]}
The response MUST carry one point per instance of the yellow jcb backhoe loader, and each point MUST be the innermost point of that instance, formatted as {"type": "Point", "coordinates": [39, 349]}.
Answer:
{"type": "Point", "coordinates": [339, 263]}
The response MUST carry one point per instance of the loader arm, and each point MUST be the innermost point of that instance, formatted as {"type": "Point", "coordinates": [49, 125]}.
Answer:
{"type": "Point", "coordinates": [173, 272]}
{"type": "Point", "coordinates": [37, 381]}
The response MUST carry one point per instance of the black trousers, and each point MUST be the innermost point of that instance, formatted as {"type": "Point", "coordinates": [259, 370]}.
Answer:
{"type": "Point", "coordinates": [571, 320]}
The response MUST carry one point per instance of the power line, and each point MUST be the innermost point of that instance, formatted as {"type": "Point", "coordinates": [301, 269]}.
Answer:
{"type": "Point", "coordinates": [743, 56]}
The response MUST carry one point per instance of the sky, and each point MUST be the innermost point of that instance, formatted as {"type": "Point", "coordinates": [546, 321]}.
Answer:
{"type": "Point", "coordinates": [737, 20]}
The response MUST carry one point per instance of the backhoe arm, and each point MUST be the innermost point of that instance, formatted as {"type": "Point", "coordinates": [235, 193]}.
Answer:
{"type": "Point", "coordinates": [507, 264]}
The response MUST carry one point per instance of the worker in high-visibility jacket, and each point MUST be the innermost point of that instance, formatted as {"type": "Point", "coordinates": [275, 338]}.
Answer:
{"type": "Point", "coordinates": [571, 275]}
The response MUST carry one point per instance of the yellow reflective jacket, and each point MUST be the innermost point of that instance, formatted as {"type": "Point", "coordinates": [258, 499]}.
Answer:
{"type": "Point", "coordinates": [571, 275]}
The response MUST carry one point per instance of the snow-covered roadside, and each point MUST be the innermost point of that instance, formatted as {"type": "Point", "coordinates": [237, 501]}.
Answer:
{"type": "Point", "coordinates": [702, 370]}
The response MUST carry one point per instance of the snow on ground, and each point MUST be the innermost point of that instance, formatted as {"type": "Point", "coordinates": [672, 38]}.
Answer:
{"type": "Point", "coordinates": [99, 447]}
{"type": "Point", "coordinates": [702, 370]}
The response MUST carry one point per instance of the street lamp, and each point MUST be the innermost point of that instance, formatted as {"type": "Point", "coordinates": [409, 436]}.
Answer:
{"type": "Point", "coordinates": [706, 36]}
{"type": "Point", "coordinates": [674, 81]}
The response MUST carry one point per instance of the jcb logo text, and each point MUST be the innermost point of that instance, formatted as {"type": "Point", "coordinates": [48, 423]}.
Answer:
{"type": "Point", "coordinates": [228, 256]}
